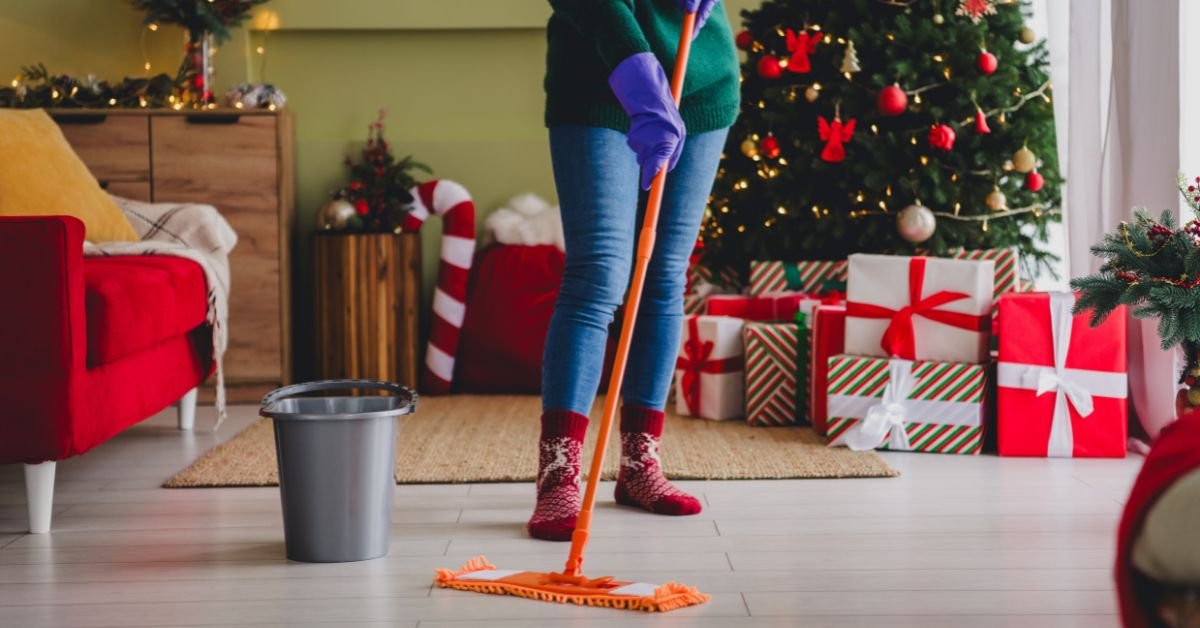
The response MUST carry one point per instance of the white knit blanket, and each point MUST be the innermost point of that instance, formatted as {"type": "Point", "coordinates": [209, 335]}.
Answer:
{"type": "Point", "coordinates": [191, 231]}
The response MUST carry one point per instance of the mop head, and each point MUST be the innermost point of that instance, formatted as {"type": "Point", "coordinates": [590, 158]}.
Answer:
{"type": "Point", "coordinates": [480, 576]}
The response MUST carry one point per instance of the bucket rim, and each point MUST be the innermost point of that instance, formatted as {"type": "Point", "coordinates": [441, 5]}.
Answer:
{"type": "Point", "coordinates": [408, 406]}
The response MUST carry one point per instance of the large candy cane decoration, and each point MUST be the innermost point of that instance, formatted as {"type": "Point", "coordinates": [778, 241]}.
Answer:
{"type": "Point", "coordinates": [452, 202]}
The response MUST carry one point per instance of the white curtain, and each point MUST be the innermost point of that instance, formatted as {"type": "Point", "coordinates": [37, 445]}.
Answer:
{"type": "Point", "coordinates": [1116, 67]}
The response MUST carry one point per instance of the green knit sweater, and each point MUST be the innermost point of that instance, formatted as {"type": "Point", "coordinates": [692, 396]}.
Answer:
{"type": "Point", "coordinates": [588, 38]}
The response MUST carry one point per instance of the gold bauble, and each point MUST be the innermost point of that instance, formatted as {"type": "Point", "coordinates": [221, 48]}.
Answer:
{"type": "Point", "coordinates": [335, 215]}
{"type": "Point", "coordinates": [1193, 396]}
{"type": "Point", "coordinates": [750, 148]}
{"type": "Point", "coordinates": [996, 200]}
{"type": "Point", "coordinates": [1024, 160]}
{"type": "Point", "coordinates": [916, 223]}
{"type": "Point", "coordinates": [1027, 36]}
{"type": "Point", "coordinates": [811, 94]}
{"type": "Point", "coordinates": [938, 19]}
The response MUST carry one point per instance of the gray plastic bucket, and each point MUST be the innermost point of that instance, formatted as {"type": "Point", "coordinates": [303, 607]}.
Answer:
{"type": "Point", "coordinates": [337, 464]}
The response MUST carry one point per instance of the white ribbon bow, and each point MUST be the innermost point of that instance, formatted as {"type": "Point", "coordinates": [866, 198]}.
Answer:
{"type": "Point", "coordinates": [1073, 386]}
{"type": "Point", "coordinates": [888, 419]}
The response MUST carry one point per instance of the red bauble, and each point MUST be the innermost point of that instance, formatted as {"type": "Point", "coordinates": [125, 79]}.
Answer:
{"type": "Point", "coordinates": [770, 146]}
{"type": "Point", "coordinates": [987, 62]}
{"type": "Point", "coordinates": [941, 136]}
{"type": "Point", "coordinates": [892, 101]}
{"type": "Point", "coordinates": [769, 68]}
{"type": "Point", "coordinates": [981, 125]}
{"type": "Point", "coordinates": [361, 207]}
{"type": "Point", "coordinates": [1034, 181]}
{"type": "Point", "coordinates": [744, 40]}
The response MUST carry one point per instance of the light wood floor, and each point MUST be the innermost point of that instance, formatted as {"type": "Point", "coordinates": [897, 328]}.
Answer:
{"type": "Point", "coordinates": [954, 542]}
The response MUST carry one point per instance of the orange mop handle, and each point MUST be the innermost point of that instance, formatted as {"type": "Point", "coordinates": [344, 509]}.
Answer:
{"type": "Point", "coordinates": [645, 248]}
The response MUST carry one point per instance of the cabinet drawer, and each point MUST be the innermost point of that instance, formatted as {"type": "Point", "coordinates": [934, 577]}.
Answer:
{"type": "Point", "coordinates": [232, 164]}
{"type": "Point", "coordinates": [114, 147]}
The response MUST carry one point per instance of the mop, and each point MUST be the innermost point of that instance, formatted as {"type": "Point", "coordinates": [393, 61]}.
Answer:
{"type": "Point", "coordinates": [570, 586]}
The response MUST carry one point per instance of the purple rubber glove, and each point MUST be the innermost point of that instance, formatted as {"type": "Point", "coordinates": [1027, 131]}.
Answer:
{"type": "Point", "coordinates": [702, 9]}
{"type": "Point", "coordinates": [656, 131]}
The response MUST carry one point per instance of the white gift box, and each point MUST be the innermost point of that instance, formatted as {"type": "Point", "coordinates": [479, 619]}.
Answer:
{"type": "Point", "coordinates": [919, 308]}
{"type": "Point", "coordinates": [710, 369]}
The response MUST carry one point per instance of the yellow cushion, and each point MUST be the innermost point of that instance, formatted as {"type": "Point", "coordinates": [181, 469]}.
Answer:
{"type": "Point", "coordinates": [41, 176]}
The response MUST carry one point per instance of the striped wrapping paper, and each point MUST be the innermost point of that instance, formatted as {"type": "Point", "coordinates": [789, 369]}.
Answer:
{"type": "Point", "coordinates": [768, 277]}
{"type": "Point", "coordinates": [945, 409]}
{"type": "Point", "coordinates": [776, 353]}
{"type": "Point", "coordinates": [698, 276]}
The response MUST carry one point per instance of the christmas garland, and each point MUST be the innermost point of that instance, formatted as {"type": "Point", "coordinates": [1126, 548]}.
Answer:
{"type": "Point", "coordinates": [36, 88]}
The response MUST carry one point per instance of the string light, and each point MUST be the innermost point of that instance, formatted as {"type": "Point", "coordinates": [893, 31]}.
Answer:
{"type": "Point", "coordinates": [741, 228]}
{"type": "Point", "coordinates": [782, 210]}
{"type": "Point", "coordinates": [859, 197]}
{"type": "Point", "coordinates": [152, 26]}
{"type": "Point", "coordinates": [913, 139]}
{"type": "Point", "coordinates": [725, 209]}
{"type": "Point", "coordinates": [888, 190]}
{"type": "Point", "coordinates": [15, 82]}
{"type": "Point", "coordinates": [874, 130]}
{"type": "Point", "coordinates": [816, 211]}
{"type": "Point", "coordinates": [924, 160]}
{"type": "Point", "coordinates": [945, 73]}
{"type": "Point", "coordinates": [112, 102]}
{"type": "Point", "coordinates": [917, 98]}
{"type": "Point", "coordinates": [939, 58]}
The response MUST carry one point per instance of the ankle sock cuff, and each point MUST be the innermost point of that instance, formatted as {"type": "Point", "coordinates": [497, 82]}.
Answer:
{"type": "Point", "coordinates": [556, 423]}
{"type": "Point", "coordinates": [637, 419]}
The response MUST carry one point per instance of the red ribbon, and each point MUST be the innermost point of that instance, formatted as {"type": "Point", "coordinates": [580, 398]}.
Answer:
{"type": "Point", "coordinates": [696, 361]}
{"type": "Point", "coordinates": [900, 339]}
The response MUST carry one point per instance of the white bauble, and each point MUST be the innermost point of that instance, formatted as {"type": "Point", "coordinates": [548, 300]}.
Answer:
{"type": "Point", "coordinates": [916, 223]}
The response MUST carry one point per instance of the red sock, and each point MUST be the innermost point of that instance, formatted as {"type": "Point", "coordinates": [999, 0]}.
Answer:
{"type": "Point", "coordinates": [640, 482]}
{"type": "Point", "coordinates": [559, 455]}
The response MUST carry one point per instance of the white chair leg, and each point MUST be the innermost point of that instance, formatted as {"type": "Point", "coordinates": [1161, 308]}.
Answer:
{"type": "Point", "coordinates": [39, 495]}
{"type": "Point", "coordinates": [187, 409]}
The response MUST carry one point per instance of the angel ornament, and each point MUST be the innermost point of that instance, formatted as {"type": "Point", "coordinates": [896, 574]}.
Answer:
{"type": "Point", "coordinates": [835, 134]}
{"type": "Point", "coordinates": [801, 46]}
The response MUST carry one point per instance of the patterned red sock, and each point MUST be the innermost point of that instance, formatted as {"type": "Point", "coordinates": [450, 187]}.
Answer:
{"type": "Point", "coordinates": [558, 496]}
{"type": "Point", "coordinates": [640, 482]}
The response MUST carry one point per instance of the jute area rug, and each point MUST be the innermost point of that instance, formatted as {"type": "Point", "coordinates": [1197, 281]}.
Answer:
{"type": "Point", "coordinates": [468, 438]}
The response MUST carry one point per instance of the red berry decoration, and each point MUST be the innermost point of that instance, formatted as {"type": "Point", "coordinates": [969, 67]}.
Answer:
{"type": "Point", "coordinates": [744, 40]}
{"type": "Point", "coordinates": [1034, 181]}
{"type": "Point", "coordinates": [941, 137]}
{"type": "Point", "coordinates": [981, 125]}
{"type": "Point", "coordinates": [987, 62]}
{"type": "Point", "coordinates": [769, 68]}
{"type": "Point", "coordinates": [1158, 234]}
{"type": "Point", "coordinates": [770, 147]}
{"type": "Point", "coordinates": [1193, 230]}
{"type": "Point", "coordinates": [892, 101]}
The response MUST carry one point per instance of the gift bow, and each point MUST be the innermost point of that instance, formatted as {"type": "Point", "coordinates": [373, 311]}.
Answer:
{"type": "Point", "coordinates": [889, 416]}
{"type": "Point", "coordinates": [1073, 386]}
{"type": "Point", "coordinates": [695, 360]}
{"type": "Point", "coordinates": [899, 340]}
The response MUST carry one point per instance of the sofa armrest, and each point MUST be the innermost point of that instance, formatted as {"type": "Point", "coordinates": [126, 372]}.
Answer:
{"type": "Point", "coordinates": [43, 323]}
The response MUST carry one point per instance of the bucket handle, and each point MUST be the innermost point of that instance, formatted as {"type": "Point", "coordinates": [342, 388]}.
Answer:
{"type": "Point", "coordinates": [337, 384]}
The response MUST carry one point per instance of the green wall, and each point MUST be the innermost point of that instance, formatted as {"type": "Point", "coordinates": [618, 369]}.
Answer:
{"type": "Point", "coordinates": [460, 79]}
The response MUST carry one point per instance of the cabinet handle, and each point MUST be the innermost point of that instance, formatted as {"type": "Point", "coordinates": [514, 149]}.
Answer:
{"type": "Point", "coordinates": [87, 118]}
{"type": "Point", "coordinates": [211, 118]}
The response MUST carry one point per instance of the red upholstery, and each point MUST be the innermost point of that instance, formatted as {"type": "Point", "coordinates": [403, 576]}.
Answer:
{"type": "Point", "coordinates": [134, 303]}
{"type": "Point", "coordinates": [53, 403]}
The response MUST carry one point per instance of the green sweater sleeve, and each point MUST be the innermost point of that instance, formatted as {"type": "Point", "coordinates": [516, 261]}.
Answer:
{"type": "Point", "coordinates": [610, 24]}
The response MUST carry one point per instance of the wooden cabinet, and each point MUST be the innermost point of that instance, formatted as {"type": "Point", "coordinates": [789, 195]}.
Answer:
{"type": "Point", "coordinates": [243, 164]}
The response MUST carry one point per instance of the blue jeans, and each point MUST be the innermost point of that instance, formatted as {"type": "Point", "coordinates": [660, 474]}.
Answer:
{"type": "Point", "coordinates": [597, 179]}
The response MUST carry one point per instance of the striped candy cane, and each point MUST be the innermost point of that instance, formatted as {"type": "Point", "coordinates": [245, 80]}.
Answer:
{"type": "Point", "coordinates": [452, 202]}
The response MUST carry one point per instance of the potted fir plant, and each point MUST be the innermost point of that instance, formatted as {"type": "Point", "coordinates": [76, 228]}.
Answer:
{"type": "Point", "coordinates": [368, 270]}
{"type": "Point", "coordinates": [1153, 266]}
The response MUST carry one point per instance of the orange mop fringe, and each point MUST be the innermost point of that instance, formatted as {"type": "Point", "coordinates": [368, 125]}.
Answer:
{"type": "Point", "coordinates": [569, 587]}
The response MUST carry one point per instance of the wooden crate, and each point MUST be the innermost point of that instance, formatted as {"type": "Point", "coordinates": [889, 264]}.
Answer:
{"type": "Point", "coordinates": [368, 297]}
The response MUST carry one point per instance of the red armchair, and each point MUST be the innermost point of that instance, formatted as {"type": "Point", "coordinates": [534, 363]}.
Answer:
{"type": "Point", "coordinates": [89, 346]}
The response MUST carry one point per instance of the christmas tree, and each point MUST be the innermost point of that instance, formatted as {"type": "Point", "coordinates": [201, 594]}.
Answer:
{"type": "Point", "coordinates": [886, 126]}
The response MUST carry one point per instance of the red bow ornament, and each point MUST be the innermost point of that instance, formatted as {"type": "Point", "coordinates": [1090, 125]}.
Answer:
{"type": "Point", "coordinates": [834, 134]}
{"type": "Point", "coordinates": [801, 46]}
{"type": "Point", "coordinates": [696, 360]}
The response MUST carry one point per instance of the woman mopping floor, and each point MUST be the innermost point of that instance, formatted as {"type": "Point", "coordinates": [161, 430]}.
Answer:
{"type": "Point", "coordinates": [607, 93]}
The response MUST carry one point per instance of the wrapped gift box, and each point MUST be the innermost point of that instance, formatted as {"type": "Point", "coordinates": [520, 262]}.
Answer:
{"type": "Point", "coordinates": [828, 339]}
{"type": "Point", "coordinates": [919, 308]}
{"type": "Point", "coordinates": [770, 307]}
{"type": "Point", "coordinates": [905, 405]}
{"type": "Point", "coordinates": [776, 372]}
{"type": "Point", "coordinates": [1062, 384]}
{"type": "Point", "coordinates": [1004, 267]}
{"type": "Point", "coordinates": [810, 277]}
{"type": "Point", "coordinates": [710, 369]}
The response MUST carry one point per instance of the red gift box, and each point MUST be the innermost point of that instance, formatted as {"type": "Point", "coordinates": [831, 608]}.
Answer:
{"type": "Point", "coordinates": [1062, 383]}
{"type": "Point", "coordinates": [828, 340]}
{"type": "Point", "coordinates": [766, 308]}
